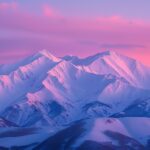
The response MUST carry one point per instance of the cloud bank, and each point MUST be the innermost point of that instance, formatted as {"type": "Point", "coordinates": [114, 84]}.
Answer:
{"type": "Point", "coordinates": [23, 33]}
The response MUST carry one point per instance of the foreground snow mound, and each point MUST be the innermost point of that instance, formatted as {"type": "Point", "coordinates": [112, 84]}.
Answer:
{"type": "Point", "coordinates": [101, 133]}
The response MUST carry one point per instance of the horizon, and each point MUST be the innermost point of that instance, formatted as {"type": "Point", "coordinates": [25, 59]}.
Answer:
{"type": "Point", "coordinates": [79, 57]}
{"type": "Point", "coordinates": [76, 28]}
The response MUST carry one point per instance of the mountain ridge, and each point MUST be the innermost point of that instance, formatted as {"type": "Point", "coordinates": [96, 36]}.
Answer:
{"type": "Point", "coordinates": [50, 97]}
{"type": "Point", "coordinates": [45, 76]}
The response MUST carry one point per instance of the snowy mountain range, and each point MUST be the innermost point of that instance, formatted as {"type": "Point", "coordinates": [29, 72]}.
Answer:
{"type": "Point", "coordinates": [98, 102]}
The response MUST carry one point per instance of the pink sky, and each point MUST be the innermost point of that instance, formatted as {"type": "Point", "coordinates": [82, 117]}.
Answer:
{"type": "Point", "coordinates": [24, 32]}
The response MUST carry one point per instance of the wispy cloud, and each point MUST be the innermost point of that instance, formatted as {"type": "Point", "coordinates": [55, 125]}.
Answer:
{"type": "Point", "coordinates": [49, 11]}
{"type": "Point", "coordinates": [121, 46]}
{"type": "Point", "coordinates": [8, 6]}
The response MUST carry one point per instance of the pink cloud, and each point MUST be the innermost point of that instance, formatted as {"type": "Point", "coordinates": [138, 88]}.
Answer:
{"type": "Point", "coordinates": [112, 19]}
{"type": "Point", "coordinates": [75, 36]}
{"type": "Point", "coordinates": [8, 6]}
{"type": "Point", "coordinates": [48, 11]}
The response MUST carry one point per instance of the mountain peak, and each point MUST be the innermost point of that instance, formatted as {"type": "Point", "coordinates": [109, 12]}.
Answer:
{"type": "Point", "coordinates": [105, 53]}
{"type": "Point", "coordinates": [47, 54]}
{"type": "Point", "coordinates": [108, 52]}
{"type": "Point", "coordinates": [88, 60]}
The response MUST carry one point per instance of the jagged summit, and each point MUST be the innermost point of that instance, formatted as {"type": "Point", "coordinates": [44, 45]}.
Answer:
{"type": "Point", "coordinates": [45, 52]}
{"type": "Point", "coordinates": [107, 52]}
{"type": "Point", "coordinates": [90, 59]}
{"type": "Point", "coordinates": [49, 55]}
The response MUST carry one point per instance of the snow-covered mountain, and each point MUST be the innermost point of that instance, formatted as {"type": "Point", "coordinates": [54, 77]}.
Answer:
{"type": "Point", "coordinates": [46, 91]}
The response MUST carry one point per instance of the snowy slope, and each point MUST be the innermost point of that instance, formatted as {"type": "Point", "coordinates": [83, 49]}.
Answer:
{"type": "Point", "coordinates": [24, 79]}
{"type": "Point", "coordinates": [110, 62]}
{"type": "Point", "coordinates": [141, 109]}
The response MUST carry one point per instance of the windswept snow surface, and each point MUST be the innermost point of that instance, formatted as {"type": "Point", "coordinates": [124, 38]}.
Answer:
{"type": "Point", "coordinates": [44, 91]}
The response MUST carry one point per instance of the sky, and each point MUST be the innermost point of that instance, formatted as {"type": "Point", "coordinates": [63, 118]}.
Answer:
{"type": "Point", "coordinates": [79, 27]}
